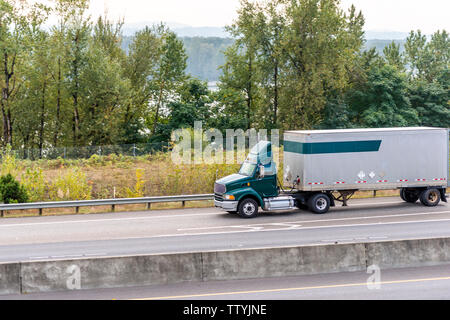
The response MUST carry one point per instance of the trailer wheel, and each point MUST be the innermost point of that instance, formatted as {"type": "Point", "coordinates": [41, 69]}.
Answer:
{"type": "Point", "coordinates": [410, 196]}
{"type": "Point", "coordinates": [248, 208]}
{"type": "Point", "coordinates": [319, 203]}
{"type": "Point", "coordinates": [430, 197]}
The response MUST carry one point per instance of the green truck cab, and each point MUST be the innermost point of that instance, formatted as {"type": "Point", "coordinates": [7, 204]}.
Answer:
{"type": "Point", "coordinates": [254, 186]}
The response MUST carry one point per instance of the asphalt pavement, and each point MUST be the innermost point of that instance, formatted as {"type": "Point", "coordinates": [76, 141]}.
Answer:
{"type": "Point", "coordinates": [419, 283]}
{"type": "Point", "coordinates": [207, 229]}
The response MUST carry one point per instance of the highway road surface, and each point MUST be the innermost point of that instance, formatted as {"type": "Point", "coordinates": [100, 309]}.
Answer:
{"type": "Point", "coordinates": [186, 230]}
{"type": "Point", "coordinates": [431, 282]}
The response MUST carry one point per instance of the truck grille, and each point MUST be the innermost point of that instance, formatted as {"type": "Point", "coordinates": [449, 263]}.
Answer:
{"type": "Point", "coordinates": [219, 188]}
{"type": "Point", "coordinates": [218, 197]}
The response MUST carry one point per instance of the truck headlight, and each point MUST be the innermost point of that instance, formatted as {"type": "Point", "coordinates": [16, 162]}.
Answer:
{"type": "Point", "coordinates": [228, 197]}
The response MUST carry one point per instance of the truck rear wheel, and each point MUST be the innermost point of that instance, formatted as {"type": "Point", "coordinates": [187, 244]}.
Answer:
{"type": "Point", "coordinates": [248, 208]}
{"type": "Point", "coordinates": [430, 197]}
{"type": "Point", "coordinates": [319, 203]}
{"type": "Point", "coordinates": [408, 195]}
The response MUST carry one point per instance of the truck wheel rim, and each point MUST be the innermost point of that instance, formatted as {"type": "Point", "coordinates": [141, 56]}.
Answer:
{"type": "Point", "coordinates": [248, 208]}
{"type": "Point", "coordinates": [321, 204]}
{"type": "Point", "coordinates": [432, 197]}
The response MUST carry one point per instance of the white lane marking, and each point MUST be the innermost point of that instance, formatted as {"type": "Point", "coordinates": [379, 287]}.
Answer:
{"type": "Point", "coordinates": [314, 221]}
{"type": "Point", "coordinates": [354, 239]}
{"type": "Point", "coordinates": [38, 258]}
{"type": "Point", "coordinates": [67, 256]}
{"type": "Point", "coordinates": [247, 227]}
{"type": "Point", "coordinates": [101, 220]}
{"type": "Point", "coordinates": [95, 254]}
{"type": "Point", "coordinates": [281, 229]}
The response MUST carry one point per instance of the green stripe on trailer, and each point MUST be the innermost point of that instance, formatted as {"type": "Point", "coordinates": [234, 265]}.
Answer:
{"type": "Point", "coordinates": [332, 147]}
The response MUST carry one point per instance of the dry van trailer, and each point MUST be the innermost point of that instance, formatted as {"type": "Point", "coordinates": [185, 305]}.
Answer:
{"type": "Point", "coordinates": [347, 160]}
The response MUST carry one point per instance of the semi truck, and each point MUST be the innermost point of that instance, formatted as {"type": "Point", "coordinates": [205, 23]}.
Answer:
{"type": "Point", "coordinates": [322, 167]}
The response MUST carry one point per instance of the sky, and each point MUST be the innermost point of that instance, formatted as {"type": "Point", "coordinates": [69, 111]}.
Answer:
{"type": "Point", "coordinates": [380, 15]}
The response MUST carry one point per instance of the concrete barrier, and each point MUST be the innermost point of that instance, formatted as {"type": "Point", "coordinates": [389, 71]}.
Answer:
{"type": "Point", "coordinates": [274, 262]}
{"type": "Point", "coordinates": [49, 276]}
{"type": "Point", "coordinates": [9, 278]}
{"type": "Point", "coordinates": [408, 253]}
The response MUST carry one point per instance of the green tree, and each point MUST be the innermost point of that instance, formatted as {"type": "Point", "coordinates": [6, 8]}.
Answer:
{"type": "Point", "coordinates": [320, 46]}
{"type": "Point", "coordinates": [156, 66]}
{"type": "Point", "coordinates": [426, 60]}
{"type": "Point", "coordinates": [383, 101]}
{"type": "Point", "coordinates": [290, 56]}
{"type": "Point", "coordinates": [33, 103]}
{"type": "Point", "coordinates": [168, 72]}
{"type": "Point", "coordinates": [78, 33]}
{"type": "Point", "coordinates": [239, 80]}
{"type": "Point", "coordinates": [19, 22]}
{"type": "Point", "coordinates": [11, 191]}
{"type": "Point", "coordinates": [393, 56]}
{"type": "Point", "coordinates": [138, 68]}
{"type": "Point", "coordinates": [432, 102]}
{"type": "Point", "coordinates": [192, 104]}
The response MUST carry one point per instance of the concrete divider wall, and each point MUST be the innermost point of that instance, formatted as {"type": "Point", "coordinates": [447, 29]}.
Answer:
{"type": "Point", "coordinates": [408, 253]}
{"type": "Point", "coordinates": [273, 262]}
{"type": "Point", "coordinates": [47, 276]}
{"type": "Point", "coordinates": [10, 278]}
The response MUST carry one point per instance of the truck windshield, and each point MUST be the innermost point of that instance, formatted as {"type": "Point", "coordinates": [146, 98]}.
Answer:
{"type": "Point", "coordinates": [247, 168]}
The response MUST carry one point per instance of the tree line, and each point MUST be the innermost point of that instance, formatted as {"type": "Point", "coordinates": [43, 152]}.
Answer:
{"type": "Point", "coordinates": [293, 64]}
{"type": "Point", "coordinates": [302, 64]}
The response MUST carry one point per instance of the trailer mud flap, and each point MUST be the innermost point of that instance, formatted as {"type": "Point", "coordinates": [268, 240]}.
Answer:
{"type": "Point", "coordinates": [443, 196]}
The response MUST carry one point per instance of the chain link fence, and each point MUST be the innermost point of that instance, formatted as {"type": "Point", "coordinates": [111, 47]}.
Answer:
{"type": "Point", "coordinates": [137, 149]}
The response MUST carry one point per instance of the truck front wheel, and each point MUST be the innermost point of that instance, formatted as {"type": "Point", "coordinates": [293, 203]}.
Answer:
{"type": "Point", "coordinates": [319, 203]}
{"type": "Point", "coordinates": [248, 208]}
{"type": "Point", "coordinates": [430, 197]}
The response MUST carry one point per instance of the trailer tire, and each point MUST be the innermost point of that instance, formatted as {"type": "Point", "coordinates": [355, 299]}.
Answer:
{"type": "Point", "coordinates": [248, 208]}
{"type": "Point", "coordinates": [319, 203]}
{"type": "Point", "coordinates": [430, 197]}
{"type": "Point", "coordinates": [410, 196]}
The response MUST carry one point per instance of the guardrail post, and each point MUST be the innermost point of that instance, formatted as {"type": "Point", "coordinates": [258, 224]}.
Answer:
{"type": "Point", "coordinates": [40, 211]}
{"type": "Point", "coordinates": [1, 213]}
{"type": "Point", "coordinates": [113, 207]}
{"type": "Point", "coordinates": [77, 209]}
{"type": "Point", "coordinates": [149, 205]}
{"type": "Point", "coordinates": [183, 203]}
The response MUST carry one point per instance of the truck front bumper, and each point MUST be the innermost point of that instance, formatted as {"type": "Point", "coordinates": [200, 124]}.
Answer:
{"type": "Point", "coordinates": [226, 205]}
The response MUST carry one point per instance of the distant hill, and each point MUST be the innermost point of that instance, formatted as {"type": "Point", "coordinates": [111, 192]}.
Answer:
{"type": "Point", "coordinates": [182, 30]}
{"type": "Point", "coordinates": [205, 55]}
{"type": "Point", "coordinates": [380, 44]}
{"type": "Point", "coordinates": [201, 32]}
{"type": "Point", "coordinates": [385, 35]}
{"type": "Point", "coordinates": [205, 46]}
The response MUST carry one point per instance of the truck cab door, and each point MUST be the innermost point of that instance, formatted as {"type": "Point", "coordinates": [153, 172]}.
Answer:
{"type": "Point", "coordinates": [266, 185]}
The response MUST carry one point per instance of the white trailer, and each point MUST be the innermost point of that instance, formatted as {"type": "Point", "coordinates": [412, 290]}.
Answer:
{"type": "Point", "coordinates": [415, 160]}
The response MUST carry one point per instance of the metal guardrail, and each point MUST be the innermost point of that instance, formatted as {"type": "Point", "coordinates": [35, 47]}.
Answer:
{"type": "Point", "coordinates": [102, 202]}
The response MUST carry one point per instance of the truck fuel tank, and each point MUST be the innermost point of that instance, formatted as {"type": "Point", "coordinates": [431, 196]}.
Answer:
{"type": "Point", "coordinates": [279, 203]}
